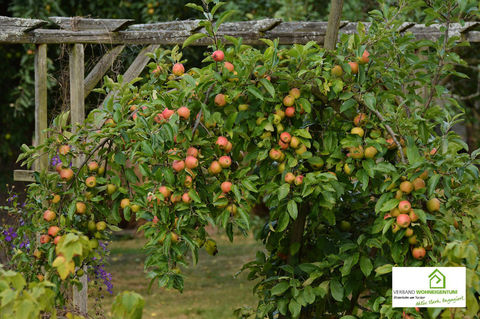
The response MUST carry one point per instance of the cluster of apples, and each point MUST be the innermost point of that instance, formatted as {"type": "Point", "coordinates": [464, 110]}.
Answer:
{"type": "Point", "coordinates": [358, 152]}
{"type": "Point", "coordinates": [337, 70]}
{"type": "Point", "coordinates": [405, 214]}
{"type": "Point", "coordinates": [161, 117]}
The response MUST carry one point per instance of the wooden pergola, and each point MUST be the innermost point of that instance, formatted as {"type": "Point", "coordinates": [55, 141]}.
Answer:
{"type": "Point", "coordinates": [121, 32]}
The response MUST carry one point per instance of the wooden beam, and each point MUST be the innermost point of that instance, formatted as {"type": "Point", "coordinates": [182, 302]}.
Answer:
{"type": "Point", "coordinates": [136, 68]}
{"type": "Point", "coordinates": [100, 69]}
{"type": "Point", "coordinates": [82, 24]}
{"type": "Point", "coordinates": [41, 118]}
{"type": "Point", "coordinates": [20, 24]}
{"type": "Point", "coordinates": [21, 175]}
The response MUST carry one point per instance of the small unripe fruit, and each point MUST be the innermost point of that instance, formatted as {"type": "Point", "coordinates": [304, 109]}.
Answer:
{"type": "Point", "coordinates": [403, 220]}
{"type": "Point", "coordinates": [178, 69]}
{"type": "Point", "coordinates": [124, 203]}
{"type": "Point", "coordinates": [135, 208]}
{"type": "Point", "coordinates": [398, 194]}
{"type": "Point", "coordinates": [53, 230]}
{"type": "Point", "coordinates": [111, 188]}
{"type": "Point", "coordinates": [178, 165]}
{"type": "Point", "coordinates": [357, 152]}
{"type": "Point", "coordinates": [184, 112]}
{"type": "Point", "coordinates": [175, 238]}
{"type": "Point", "coordinates": [295, 93]}
{"type": "Point", "coordinates": [49, 215]}
{"type": "Point", "coordinates": [337, 70]}
{"type": "Point", "coordinates": [408, 232]}
{"type": "Point", "coordinates": [218, 56]}
{"type": "Point", "coordinates": [353, 67]}
{"type": "Point", "coordinates": [232, 209]}
{"type": "Point", "coordinates": [55, 199]}
{"type": "Point", "coordinates": [226, 187]}
{"type": "Point", "coordinates": [357, 131]}
{"type": "Point", "coordinates": [290, 111]}
{"type": "Point", "coordinates": [412, 240]}
{"type": "Point", "coordinates": [404, 206]}
{"type": "Point", "coordinates": [347, 169]}
{"type": "Point", "coordinates": [92, 166]}
{"type": "Point", "coordinates": [243, 107]}
{"type": "Point", "coordinates": [294, 142]}
{"type": "Point", "coordinates": [370, 152]}
{"type": "Point", "coordinates": [215, 168]}
{"type": "Point", "coordinates": [395, 212]}
{"type": "Point", "coordinates": [220, 100]}
{"type": "Point", "coordinates": [191, 162]}
{"type": "Point", "coordinates": [101, 226]}
{"type": "Point", "coordinates": [413, 217]}
{"type": "Point", "coordinates": [225, 161]}
{"type": "Point", "coordinates": [288, 100]}
{"type": "Point", "coordinates": [301, 149]}
{"type": "Point", "coordinates": [91, 181]}
{"type": "Point", "coordinates": [433, 205]}
{"type": "Point", "coordinates": [345, 225]}
{"type": "Point", "coordinates": [418, 253]}
{"type": "Point", "coordinates": [80, 207]}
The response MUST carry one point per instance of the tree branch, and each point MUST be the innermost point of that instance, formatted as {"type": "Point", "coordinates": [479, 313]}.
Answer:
{"type": "Point", "coordinates": [199, 115]}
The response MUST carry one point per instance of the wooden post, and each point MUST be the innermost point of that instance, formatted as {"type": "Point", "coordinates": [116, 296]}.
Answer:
{"type": "Point", "coordinates": [77, 116]}
{"type": "Point", "coordinates": [41, 120]}
{"type": "Point", "coordinates": [333, 24]}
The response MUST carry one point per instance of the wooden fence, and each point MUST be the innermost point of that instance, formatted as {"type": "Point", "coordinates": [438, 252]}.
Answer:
{"type": "Point", "coordinates": [121, 32]}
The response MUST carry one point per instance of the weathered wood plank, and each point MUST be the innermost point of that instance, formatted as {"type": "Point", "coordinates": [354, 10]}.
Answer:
{"type": "Point", "coordinates": [182, 25]}
{"type": "Point", "coordinates": [287, 32]}
{"type": "Point", "coordinates": [136, 68]}
{"type": "Point", "coordinates": [333, 25]}
{"type": "Point", "coordinates": [100, 69]}
{"type": "Point", "coordinates": [21, 175]}
{"type": "Point", "coordinates": [41, 119]}
{"type": "Point", "coordinates": [20, 24]}
{"type": "Point", "coordinates": [83, 24]}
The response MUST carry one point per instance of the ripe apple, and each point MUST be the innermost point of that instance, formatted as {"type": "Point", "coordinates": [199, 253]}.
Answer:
{"type": "Point", "coordinates": [191, 162]}
{"type": "Point", "coordinates": [357, 152]}
{"type": "Point", "coordinates": [80, 207]}
{"type": "Point", "coordinates": [111, 188]}
{"type": "Point", "coordinates": [49, 215]}
{"type": "Point", "coordinates": [218, 56]}
{"type": "Point", "coordinates": [424, 175]}
{"type": "Point", "coordinates": [228, 66]}
{"type": "Point", "coordinates": [357, 131]}
{"type": "Point", "coordinates": [228, 147]}
{"type": "Point", "coordinates": [124, 203]}
{"type": "Point", "coordinates": [404, 206]}
{"type": "Point", "coordinates": [110, 123]}
{"type": "Point", "coordinates": [186, 198]}
{"type": "Point", "coordinates": [285, 137]}
{"type": "Point", "coordinates": [55, 199]}
{"type": "Point", "coordinates": [391, 143]}
{"type": "Point", "coordinates": [58, 167]}
{"type": "Point", "coordinates": [294, 142]}
{"type": "Point", "coordinates": [158, 118]}
{"type": "Point", "coordinates": [155, 220]}
{"type": "Point", "coordinates": [215, 168]}
{"type": "Point", "coordinates": [413, 217]}
{"type": "Point", "coordinates": [53, 230]}
{"type": "Point", "coordinates": [167, 113]}
{"type": "Point", "coordinates": [418, 183]}
{"type": "Point", "coordinates": [412, 240]}
{"type": "Point", "coordinates": [290, 111]}
{"type": "Point", "coordinates": [178, 165]}
{"type": "Point", "coordinates": [188, 181]}
{"type": "Point", "coordinates": [337, 70]}
{"type": "Point", "coordinates": [288, 100]}
{"type": "Point", "coordinates": [298, 180]}
{"type": "Point", "coordinates": [406, 187]}
{"type": "Point", "coordinates": [353, 67]}
{"type": "Point", "coordinates": [175, 198]}
{"type": "Point", "coordinates": [226, 187]}
{"type": "Point", "coordinates": [403, 220]}
{"type": "Point", "coordinates": [91, 181]}
{"type": "Point", "coordinates": [92, 166]}
{"type": "Point", "coordinates": [178, 69]}
{"type": "Point", "coordinates": [220, 100]}
{"type": "Point", "coordinates": [184, 112]}
{"type": "Point", "coordinates": [289, 178]}
{"type": "Point", "coordinates": [301, 149]}
{"type": "Point", "coordinates": [44, 239]}
{"type": "Point", "coordinates": [222, 142]}
{"type": "Point", "coordinates": [225, 161]}
{"type": "Point", "coordinates": [370, 152]}
{"type": "Point", "coordinates": [192, 151]}
{"type": "Point", "coordinates": [64, 149]}
{"type": "Point", "coordinates": [165, 191]}
{"type": "Point", "coordinates": [364, 58]}
{"type": "Point", "coordinates": [418, 253]}
{"type": "Point", "coordinates": [295, 93]}
{"type": "Point", "coordinates": [66, 174]}
{"type": "Point", "coordinates": [433, 205]}
{"type": "Point", "coordinates": [282, 145]}
{"type": "Point", "coordinates": [275, 154]}
{"type": "Point", "coordinates": [57, 239]}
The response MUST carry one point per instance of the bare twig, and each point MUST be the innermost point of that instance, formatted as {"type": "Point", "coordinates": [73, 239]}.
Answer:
{"type": "Point", "coordinates": [199, 115]}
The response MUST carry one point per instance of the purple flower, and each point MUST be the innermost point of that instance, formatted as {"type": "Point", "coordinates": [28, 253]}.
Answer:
{"type": "Point", "coordinates": [10, 234]}
{"type": "Point", "coordinates": [56, 160]}
{"type": "Point", "coordinates": [11, 198]}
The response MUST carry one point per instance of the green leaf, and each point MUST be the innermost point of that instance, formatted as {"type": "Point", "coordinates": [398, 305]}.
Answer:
{"type": "Point", "coordinates": [370, 101]}
{"type": "Point", "coordinates": [268, 86]}
{"type": "Point", "coordinates": [120, 158]}
{"type": "Point", "coordinates": [280, 288]}
{"type": "Point", "coordinates": [191, 39]}
{"type": "Point", "coordinates": [366, 266]}
{"type": "Point", "coordinates": [292, 209]}
{"type": "Point", "coordinates": [432, 184]}
{"type": "Point", "coordinates": [349, 262]}
{"type": "Point", "coordinates": [194, 196]}
{"type": "Point", "coordinates": [389, 205]}
{"type": "Point", "coordinates": [348, 104]}
{"type": "Point", "coordinates": [305, 104]}
{"type": "Point", "coordinates": [255, 92]}
{"type": "Point", "coordinates": [294, 308]}
{"type": "Point", "coordinates": [283, 191]}
{"type": "Point", "coordinates": [282, 222]}
{"type": "Point", "coordinates": [336, 290]}
{"type": "Point", "coordinates": [194, 6]}
{"type": "Point", "coordinates": [249, 185]}
{"type": "Point", "coordinates": [223, 17]}
{"type": "Point", "coordinates": [384, 269]}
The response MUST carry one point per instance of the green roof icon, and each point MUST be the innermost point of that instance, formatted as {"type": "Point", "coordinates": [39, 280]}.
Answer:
{"type": "Point", "coordinates": [437, 280]}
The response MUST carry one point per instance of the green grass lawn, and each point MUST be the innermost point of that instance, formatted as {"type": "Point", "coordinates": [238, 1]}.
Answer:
{"type": "Point", "coordinates": [211, 291]}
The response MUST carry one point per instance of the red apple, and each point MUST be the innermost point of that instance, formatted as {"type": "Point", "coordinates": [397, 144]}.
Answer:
{"type": "Point", "coordinates": [275, 154]}
{"type": "Point", "coordinates": [220, 100]}
{"type": "Point", "coordinates": [64, 149]}
{"type": "Point", "coordinates": [229, 66]}
{"type": "Point", "coordinates": [167, 113]}
{"type": "Point", "coordinates": [53, 230]}
{"type": "Point", "coordinates": [44, 239]}
{"type": "Point", "coordinates": [155, 220]}
{"type": "Point", "coordinates": [353, 67]}
{"type": "Point", "coordinates": [49, 215]}
{"type": "Point", "coordinates": [289, 178]}
{"type": "Point", "coordinates": [178, 69]}
{"type": "Point", "coordinates": [164, 191]}
{"type": "Point", "coordinates": [57, 239]}
{"type": "Point", "coordinates": [66, 174]}
{"type": "Point", "coordinates": [80, 207]}
{"type": "Point", "coordinates": [295, 93]}
{"type": "Point", "coordinates": [158, 118]}
{"type": "Point", "coordinates": [288, 100]}
{"type": "Point", "coordinates": [228, 147]}
{"type": "Point", "coordinates": [404, 206]}
{"type": "Point", "coordinates": [403, 220]}
{"type": "Point", "coordinates": [290, 111]}
{"type": "Point", "coordinates": [225, 161]}
{"type": "Point", "coordinates": [215, 168]}
{"type": "Point", "coordinates": [91, 181]}
{"type": "Point", "coordinates": [192, 151]}
{"type": "Point", "coordinates": [178, 165]}
{"type": "Point", "coordinates": [184, 112]}
{"type": "Point", "coordinates": [364, 58]}
{"type": "Point", "coordinates": [418, 253]}
{"type": "Point", "coordinates": [186, 198]}
{"type": "Point", "coordinates": [218, 56]}
{"type": "Point", "coordinates": [92, 166]}
{"type": "Point", "coordinates": [226, 187]}
{"type": "Point", "coordinates": [298, 180]}
{"type": "Point", "coordinates": [222, 142]}
{"type": "Point", "coordinates": [191, 162]}
{"type": "Point", "coordinates": [286, 137]}
{"type": "Point", "coordinates": [282, 145]}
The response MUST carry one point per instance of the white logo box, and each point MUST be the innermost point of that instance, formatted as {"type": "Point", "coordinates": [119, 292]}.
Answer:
{"type": "Point", "coordinates": [423, 287]}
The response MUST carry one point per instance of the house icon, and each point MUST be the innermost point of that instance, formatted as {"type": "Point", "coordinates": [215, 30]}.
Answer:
{"type": "Point", "coordinates": [437, 280]}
